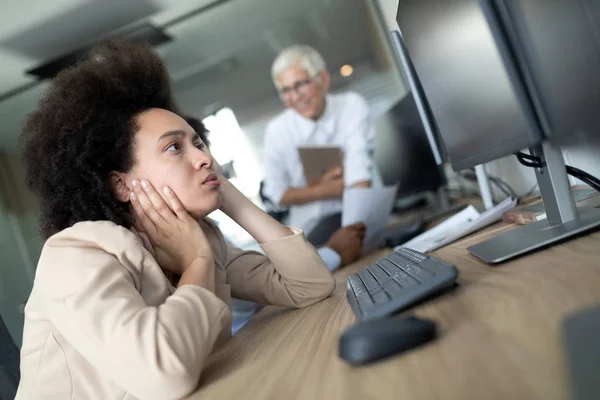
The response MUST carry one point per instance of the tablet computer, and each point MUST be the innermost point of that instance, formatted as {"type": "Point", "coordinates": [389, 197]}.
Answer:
{"type": "Point", "coordinates": [316, 160]}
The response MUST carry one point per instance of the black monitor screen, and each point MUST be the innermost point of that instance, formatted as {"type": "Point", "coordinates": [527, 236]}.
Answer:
{"type": "Point", "coordinates": [559, 45]}
{"type": "Point", "coordinates": [481, 109]}
{"type": "Point", "coordinates": [402, 151]}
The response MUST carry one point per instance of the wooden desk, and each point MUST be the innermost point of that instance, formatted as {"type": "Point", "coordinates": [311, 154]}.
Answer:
{"type": "Point", "coordinates": [500, 336]}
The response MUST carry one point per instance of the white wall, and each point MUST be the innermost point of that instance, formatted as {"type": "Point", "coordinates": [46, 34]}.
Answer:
{"type": "Point", "coordinates": [389, 9]}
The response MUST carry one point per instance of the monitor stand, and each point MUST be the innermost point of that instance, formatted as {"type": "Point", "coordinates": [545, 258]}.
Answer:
{"type": "Point", "coordinates": [563, 221]}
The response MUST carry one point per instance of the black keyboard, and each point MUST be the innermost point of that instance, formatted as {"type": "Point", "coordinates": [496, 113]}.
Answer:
{"type": "Point", "coordinates": [396, 282]}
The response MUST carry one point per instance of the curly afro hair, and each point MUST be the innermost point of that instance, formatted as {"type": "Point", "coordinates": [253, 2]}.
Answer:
{"type": "Point", "coordinates": [83, 129]}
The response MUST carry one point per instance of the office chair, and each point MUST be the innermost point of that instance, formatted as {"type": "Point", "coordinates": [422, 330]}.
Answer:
{"type": "Point", "coordinates": [9, 364]}
{"type": "Point", "coordinates": [275, 212]}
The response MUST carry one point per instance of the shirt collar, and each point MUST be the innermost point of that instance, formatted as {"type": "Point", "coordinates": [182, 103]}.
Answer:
{"type": "Point", "coordinates": [325, 123]}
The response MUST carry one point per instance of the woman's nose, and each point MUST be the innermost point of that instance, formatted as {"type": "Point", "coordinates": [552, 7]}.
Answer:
{"type": "Point", "coordinates": [202, 159]}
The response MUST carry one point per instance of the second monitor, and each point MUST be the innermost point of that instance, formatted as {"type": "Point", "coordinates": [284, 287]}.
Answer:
{"type": "Point", "coordinates": [402, 151]}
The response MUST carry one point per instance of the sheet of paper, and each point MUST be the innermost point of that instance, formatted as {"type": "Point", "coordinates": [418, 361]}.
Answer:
{"type": "Point", "coordinates": [371, 206]}
{"type": "Point", "coordinates": [487, 218]}
{"type": "Point", "coordinates": [428, 239]}
{"type": "Point", "coordinates": [465, 222]}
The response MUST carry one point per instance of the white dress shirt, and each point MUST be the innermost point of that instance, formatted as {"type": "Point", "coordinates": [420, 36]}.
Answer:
{"type": "Point", "coordinates": [347, 123]}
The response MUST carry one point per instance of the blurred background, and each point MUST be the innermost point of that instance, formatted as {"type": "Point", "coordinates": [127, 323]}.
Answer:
{"type": "Point", "coordinates": [219, 54]}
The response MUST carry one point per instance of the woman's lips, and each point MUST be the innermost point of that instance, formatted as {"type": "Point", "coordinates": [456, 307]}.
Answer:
{"type": "Point", "coordinates": [211, 180]}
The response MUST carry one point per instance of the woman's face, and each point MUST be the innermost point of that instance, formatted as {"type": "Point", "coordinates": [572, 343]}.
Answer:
{"type": "Point", "coordinates": [167, 152]}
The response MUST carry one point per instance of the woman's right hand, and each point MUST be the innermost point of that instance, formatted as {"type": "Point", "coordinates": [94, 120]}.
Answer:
{"type": "Point", "coordinates": [177, 239]}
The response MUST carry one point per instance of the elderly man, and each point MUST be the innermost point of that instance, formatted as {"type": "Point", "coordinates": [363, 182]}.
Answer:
{"type": "Point", "coordinates": [315, 117]}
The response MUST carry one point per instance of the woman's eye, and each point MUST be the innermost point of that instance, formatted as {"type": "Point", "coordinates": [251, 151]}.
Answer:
{"type": "Point", "coordinates": [173, 147]}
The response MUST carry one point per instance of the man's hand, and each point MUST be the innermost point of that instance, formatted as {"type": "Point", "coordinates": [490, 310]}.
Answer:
{"type": "Point", "coordinates": [331, 184]}
{"type": "Point", "coordinates": [348, 241]}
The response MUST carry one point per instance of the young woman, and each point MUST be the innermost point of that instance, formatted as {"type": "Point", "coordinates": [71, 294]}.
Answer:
{"type": "Point", "coordinates": [133, 287]}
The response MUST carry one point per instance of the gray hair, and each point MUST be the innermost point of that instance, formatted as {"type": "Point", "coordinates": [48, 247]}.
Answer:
{"type": "Point", "coordinates": [301, 56]}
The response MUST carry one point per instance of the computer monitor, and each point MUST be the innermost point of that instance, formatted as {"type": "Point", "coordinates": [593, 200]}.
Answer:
{"type": "Point", "coordinates": [427, 119]}
{"type": "Point", "coordinates": [478, 83]}
{"type": "Point", "coordinates": [479, 109]}
{"type": "Point", "coordinates": [402, 151]}
{"type": "Point", "coordinates": [557, 44]}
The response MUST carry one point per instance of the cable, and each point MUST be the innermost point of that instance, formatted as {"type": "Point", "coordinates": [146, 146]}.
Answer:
{"type": "Point", "coordinates": [529, 160]}
{"type": "Point", "coordinates": [499, 185]}
{"type": "Point", "coordinates": [588, 181]}
{"type": "Point", "coordinates": [535, 162]}
{"type": "Point", "coordinates": [573, 171]}
{"type": "Point", "coordinates": [527, 156]}
{"type": "Point", "coordinates": [576, 172]}
{"type": "Point", "coordinates": [502, 185]}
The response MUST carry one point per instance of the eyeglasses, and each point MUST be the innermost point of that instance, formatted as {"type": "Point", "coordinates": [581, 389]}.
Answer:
{"type": "Point", "coordinates": [299, 87]}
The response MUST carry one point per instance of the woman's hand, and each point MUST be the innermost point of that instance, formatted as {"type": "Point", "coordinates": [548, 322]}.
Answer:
{"type": "Point", "coordinates": [256, 222]}
{"type": "Point", "coordinates": [178, 241]}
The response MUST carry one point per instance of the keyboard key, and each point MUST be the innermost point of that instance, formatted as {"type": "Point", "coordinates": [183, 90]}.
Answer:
{"type": "Point", "coordinates": [414, 270]}
{"type": "Point", "coordinates": [397, 273]}
{"type": "Point", "coordinates": [380, 297]}
{"type": "Point", "coordinates": [368, 279]}
{"type": "Point", "coordinates": [357, 285]}
{"type": "Point", "coordinates": [405, 280]}
{"type": "Point", "coordinates": [365, 302]}
{"type": "Point", "coordinates": [413, 255]}
{"type": "Point", "coordinates": [379, 273]}
{"type": "Point", "coordinates": [389, 267]}
{"type": "Point", "coordinates": [392, 288]}
{"type": "Point", "coordinates": [399, 260]}
{"type": "Point", "coordinates": [418, 273]}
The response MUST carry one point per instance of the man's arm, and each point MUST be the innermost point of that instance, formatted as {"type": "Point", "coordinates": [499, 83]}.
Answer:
{"type": "Point", "coordinates": [330, 257]}
{"type": "Point", "coordinates": [332, 190]}
{"type": "Point", "coordinates": [344, 246]}
{"type": "Point", "coordinates": [330, 186]}
{"type": "Point", "coordinates": [296, 196]}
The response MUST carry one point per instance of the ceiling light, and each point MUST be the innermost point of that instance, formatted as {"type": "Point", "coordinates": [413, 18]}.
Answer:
{"type": "Point", "coordinates": [346, 70]}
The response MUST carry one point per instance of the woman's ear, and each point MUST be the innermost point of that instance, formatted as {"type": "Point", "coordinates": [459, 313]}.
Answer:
{"type": "Point", "coordinates": [118, 186]}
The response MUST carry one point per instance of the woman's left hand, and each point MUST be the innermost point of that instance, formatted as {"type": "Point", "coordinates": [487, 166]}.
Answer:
{"type": "Point", "coordinates": [176, 237]}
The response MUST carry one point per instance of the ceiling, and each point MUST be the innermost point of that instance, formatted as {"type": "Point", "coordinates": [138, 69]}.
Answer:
{"type": "Point", "coordinates": [221, 50]}
{"type": "Point", "coordinates": [36, 31]}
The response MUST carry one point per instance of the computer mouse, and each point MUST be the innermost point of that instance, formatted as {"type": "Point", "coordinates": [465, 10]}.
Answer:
{"type": "Point", "coordinates": [373, 340]}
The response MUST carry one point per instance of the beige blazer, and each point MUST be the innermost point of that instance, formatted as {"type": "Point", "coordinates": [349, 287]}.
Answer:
{"type": "Point", "coordinates": [103, 321]}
